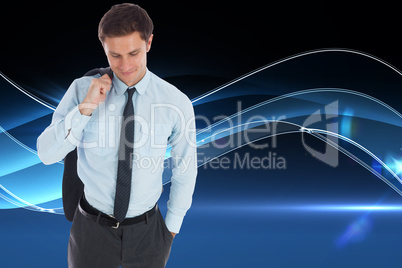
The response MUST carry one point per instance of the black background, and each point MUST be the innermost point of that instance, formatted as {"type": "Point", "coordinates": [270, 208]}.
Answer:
{"type": "Point", "coordinates": [59, 41]}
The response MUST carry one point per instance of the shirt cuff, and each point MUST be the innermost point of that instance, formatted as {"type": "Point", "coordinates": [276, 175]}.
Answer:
{"type": "Point", "coordinates": [173, 222]}
{"type": "Point", "coordinates": [75, 123]}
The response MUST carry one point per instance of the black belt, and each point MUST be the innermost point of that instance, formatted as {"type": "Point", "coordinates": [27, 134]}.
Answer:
{"type": "Point", "coordinates": [95, 215]}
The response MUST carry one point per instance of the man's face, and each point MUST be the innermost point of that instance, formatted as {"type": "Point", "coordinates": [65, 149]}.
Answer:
{"type": "Point", "coordinates": [127, 56]}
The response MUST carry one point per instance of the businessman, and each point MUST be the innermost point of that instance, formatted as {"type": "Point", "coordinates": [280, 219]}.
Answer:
{"type": "Point", "coordinates": [121, 124]}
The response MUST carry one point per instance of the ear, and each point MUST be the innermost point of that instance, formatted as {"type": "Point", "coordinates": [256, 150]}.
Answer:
{"type": "Point", "coordinates": [104, 48]}
{"type": "Point", "coordinates": [149, 42]}
{"type": "Point", "coordinates": [106, 51]}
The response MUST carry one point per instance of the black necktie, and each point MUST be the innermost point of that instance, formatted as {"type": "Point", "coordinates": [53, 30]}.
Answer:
{"type": "Point", "coordinates": [124, 170]}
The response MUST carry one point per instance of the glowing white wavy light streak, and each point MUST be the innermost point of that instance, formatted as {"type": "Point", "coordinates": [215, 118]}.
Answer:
{"type": "Point", "coordinates": [32, 96]}
{"type": "Point", "coordinates": [26, 203]}
{"type": "Point", "coordinates": [346, 50]}
{"type": "Point", "coordinates": [343, 208]}
{"type": "Point", "coordinates": [37, 99]}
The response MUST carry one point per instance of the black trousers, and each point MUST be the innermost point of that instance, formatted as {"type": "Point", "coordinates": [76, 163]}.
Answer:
{"type": "Point", "coordinates": [142, 245]}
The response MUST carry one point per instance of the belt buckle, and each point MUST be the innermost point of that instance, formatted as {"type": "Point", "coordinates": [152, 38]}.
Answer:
{"type": "Point", "coordinates": [117, 225]}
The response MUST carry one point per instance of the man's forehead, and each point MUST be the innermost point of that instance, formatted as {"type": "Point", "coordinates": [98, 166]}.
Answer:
{"type": "Point", "coordinates": [124, 44]}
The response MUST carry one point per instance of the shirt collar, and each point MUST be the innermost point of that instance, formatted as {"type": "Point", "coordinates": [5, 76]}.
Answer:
{"type": "Point", "coordinates": [140, 87]}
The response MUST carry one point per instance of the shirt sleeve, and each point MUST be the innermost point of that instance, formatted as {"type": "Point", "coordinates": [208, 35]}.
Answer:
{"type": "Point", "coordinates": [184, 173]}
{"type": "Point", "coordinates": [66, 129]}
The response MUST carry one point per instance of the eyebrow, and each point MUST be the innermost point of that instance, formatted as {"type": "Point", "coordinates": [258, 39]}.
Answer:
{"type": "Point", "coordinates": [131, 52]}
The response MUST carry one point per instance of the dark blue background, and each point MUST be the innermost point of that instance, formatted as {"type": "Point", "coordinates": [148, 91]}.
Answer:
{"type": "Point", "coordinates": [239, 218]}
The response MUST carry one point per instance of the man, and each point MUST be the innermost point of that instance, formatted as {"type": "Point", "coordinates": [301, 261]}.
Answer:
{"type": "Point", "coordinates": [120, 126]}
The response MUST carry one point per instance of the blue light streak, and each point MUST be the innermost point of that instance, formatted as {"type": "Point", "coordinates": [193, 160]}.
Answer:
{"type": "Point", "coordinates": [345, 208]}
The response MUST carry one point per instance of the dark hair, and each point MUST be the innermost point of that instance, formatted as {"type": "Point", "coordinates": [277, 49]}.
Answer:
{"type": "Point", "coordinates": [124, 19]}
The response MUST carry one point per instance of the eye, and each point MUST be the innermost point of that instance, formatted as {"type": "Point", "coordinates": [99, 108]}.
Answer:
{"type": "Point", "coordinates": [134, 54]}
{"type": "Point", "coordinates": [115, 56]}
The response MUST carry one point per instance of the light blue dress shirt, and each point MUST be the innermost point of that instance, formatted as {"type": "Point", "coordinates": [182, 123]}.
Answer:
{"type": "Point", "coordinates": [163, 115]}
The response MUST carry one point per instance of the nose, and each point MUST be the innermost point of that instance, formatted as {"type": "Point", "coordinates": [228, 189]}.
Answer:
{"type": "Point", "coordinates": [125, 64]}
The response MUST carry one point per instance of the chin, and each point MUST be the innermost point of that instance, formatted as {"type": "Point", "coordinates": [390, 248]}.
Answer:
{"type": "Point", "coordinates": [128, 80]}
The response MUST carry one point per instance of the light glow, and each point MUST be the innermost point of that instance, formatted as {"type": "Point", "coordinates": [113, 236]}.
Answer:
{"type": "Point", "coordinates": [352, 208]}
